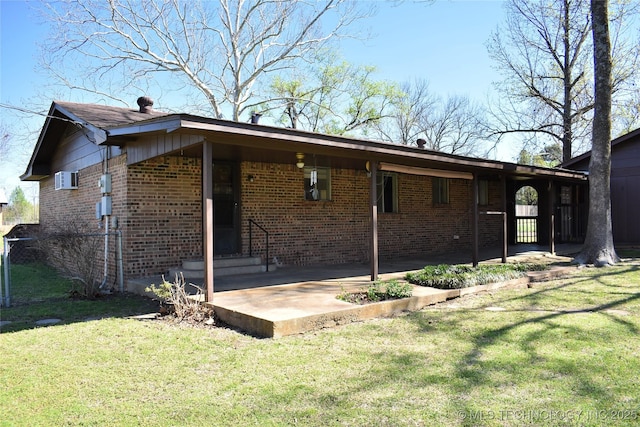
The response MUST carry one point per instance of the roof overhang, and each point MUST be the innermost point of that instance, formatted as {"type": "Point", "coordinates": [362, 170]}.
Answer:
{"type": "Point", "coordinates": [254, 137]}
{"type": "Point", "coordinates": [292, 140]}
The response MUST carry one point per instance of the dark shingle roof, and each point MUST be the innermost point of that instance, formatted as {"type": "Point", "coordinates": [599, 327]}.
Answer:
{"type": "Point", "coordinates": [104, 116]}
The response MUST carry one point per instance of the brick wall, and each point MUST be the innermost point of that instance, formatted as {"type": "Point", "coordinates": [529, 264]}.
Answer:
{"type": "Point", "coordinates": [337, 231]}
{"type": "Point", "coordinates": [75, 211]}
{"type": "Point", "coordinates": [158, 207]}
{"type": "Point", "coordinates": [420, 227]}
{"type": "Point", "coordinates": [306, 232]}
{"type": "Point", "coordinates": [163, 222]}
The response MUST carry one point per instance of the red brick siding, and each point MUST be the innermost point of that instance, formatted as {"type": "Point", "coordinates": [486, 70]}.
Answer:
{"type": "Point", "coordinates": [163, 224]}
{"type": "Point", "coordinates": [420, 227]}
{"type": "Point", "coordinates": [337, 231]}
{"type": "Point", "coordinates": [76, 209]}
{"type": "Point", "coordinates": [305, 232]}
{"type": "Point", "coordinates": [158, 206]}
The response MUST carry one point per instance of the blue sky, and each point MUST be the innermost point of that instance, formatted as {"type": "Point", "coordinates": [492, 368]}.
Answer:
{"type": "Point", "coordinates": [441, 42]}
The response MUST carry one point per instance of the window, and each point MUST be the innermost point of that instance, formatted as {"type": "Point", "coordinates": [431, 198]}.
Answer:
{"type": "Point", "coordinates": [317, 183]}
{"type": "Point", "coordinates": [483, 192]}
{"type": "Point", "coordinates": [440, 191]}
{"type": "Point", "coordinates": [387, 188]}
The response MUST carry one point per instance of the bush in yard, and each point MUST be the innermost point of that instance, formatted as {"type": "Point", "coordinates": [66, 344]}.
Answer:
{"type": "Point", "coordinates": [378, 291]}
{"type": "Point", "coordinates": [176, 300]}
{"type": "Point", "coordinates": [446, 276]}
{"type": "Point", "coordinates": [397, 289]}
{"type": "Point", "coordinates": [76, 253]}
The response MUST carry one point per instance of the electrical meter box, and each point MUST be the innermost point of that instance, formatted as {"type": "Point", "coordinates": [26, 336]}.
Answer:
{"type": "Point", "coordinates": [105, 183]}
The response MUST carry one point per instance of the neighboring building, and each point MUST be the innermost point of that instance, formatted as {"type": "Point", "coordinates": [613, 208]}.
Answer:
{"type": "Point", "coordinates": [322, 199]}
{"type": "Point", "coordinates": [625, 186]}
{"type": "Point", "coordinates": [3, 202]}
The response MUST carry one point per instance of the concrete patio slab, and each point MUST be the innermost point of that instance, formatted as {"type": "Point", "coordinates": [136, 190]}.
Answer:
{"type": "Point", "coordinates": [294, 300]}
{"type": "Point", "coordinates": [277, 311]}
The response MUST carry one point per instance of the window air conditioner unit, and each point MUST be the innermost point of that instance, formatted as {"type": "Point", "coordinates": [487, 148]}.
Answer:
{"type": "Point", "coordinates": [66, 180]}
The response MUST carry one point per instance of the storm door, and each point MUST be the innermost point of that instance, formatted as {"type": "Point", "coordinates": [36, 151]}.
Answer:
{"type": "Point", "coordinates": [226, 209]}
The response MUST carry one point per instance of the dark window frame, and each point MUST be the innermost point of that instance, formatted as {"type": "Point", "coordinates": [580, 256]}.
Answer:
{"type": "Point", "coordinates": [387, 189]}
{"type": "Point", "coordinates": [440, 187]}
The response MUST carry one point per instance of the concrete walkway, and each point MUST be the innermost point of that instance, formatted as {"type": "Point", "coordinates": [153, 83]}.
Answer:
{"type": "Point", "coordinates": [294, 300]}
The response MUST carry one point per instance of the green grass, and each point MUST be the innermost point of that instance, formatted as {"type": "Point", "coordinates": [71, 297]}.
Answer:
{"type": "Point", "coordinates": [37, 292]}
{"type": "Point", "coordinates": [561, 353]}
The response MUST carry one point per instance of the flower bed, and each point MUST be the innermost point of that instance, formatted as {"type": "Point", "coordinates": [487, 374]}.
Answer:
{"type": "Point", "coordinates": [460, 276]}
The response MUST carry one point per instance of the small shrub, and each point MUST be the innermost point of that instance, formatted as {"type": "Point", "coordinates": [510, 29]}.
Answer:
{"type": "Point", "coordinates": [397, 290]}
{"type": "Point", "coordinates": [378, 291]}
{"type": "Point", "coordinates": [445, 276]}
{"type": "Point", "coordinates": [175, 299]}
{"type": "Point", "coordinates": [375, 292]}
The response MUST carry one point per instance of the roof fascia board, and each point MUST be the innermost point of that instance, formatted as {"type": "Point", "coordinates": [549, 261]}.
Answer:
{"type": "Point", "coordinates": [309, 138]}
{"type": "Point", "coordinates": [441, 173]}
{"type": "Point", "coordinates": [176, 122]}
{"type": "Point", "coordinates": [29, 171]}
{"type": "Point", "coordinates": [166, 124]}
{"type": "Point", "coordinates": [93, 134]}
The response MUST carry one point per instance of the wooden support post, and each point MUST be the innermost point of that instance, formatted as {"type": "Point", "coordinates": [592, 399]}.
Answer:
{"type": "Point", "coordinates": [475, 220]}
{"type": "Point", "coordinates": [207, 217]}
{"type": "Point", "coordinates": [505, 240]}
{"type": "Point", "coordinates": [373, 207]}
{"type": "Point", "coordinates": [552, 234]}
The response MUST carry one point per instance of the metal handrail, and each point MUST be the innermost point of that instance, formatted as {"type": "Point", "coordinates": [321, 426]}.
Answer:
{"type": "Point", "coordinates": [266, 233]}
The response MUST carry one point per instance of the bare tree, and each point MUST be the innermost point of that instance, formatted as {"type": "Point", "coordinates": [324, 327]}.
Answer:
{"type": "Point", "coordinates": [331, 96]}
{"type": "Point", "coordinates": [5, 141]}
{"type": "Point", "coordinates": [598, 247]}
{"type": "Point", "coordinates": [453, 125]}
{"type": "Point", "coordinates": [544, 53]}
{"type": "Point", "coordinates": [214, 54]}
{"type": "Point", "coordinates": [415, 103]}
{"type": "Point", "coordinates": [456, 127]}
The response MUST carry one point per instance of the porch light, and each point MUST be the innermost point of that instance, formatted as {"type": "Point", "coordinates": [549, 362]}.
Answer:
{"type": "Point", "coordinates": [300, 160]}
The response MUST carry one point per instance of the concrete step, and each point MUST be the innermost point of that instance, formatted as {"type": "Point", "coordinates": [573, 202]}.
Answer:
{"type": "Point", "coordinates": [236, 261]}
{"type": "Point", "coordinates": [194, 268]}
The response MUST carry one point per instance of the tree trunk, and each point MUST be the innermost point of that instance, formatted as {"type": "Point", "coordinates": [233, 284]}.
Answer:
{"type": "Point", "coordinates": [598, 247]}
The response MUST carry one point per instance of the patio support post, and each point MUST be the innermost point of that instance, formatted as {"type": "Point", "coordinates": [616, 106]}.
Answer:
{"type": "Point", "coordinates": [505, 241]}
{"type": "Point", "coordinates": [373, 206]}
{"type": "Point", "coordinates": [552, 242]}
{"type": "Point", "coordinates": [207, 217]}
{"type": "Point", "coordinates": [475, 220]}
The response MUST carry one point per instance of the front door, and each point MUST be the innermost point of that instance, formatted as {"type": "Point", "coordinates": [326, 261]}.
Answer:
{"type": "Point", "coordinates": [226, 210]}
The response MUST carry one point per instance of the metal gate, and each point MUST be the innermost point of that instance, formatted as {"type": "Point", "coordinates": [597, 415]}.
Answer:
{"type": "Point", "coordinates": [527, 229]}
{"type": "Point", "coordinates": [526, 224]}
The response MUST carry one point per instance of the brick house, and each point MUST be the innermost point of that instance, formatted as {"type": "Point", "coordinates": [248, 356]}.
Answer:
{"type": "Point", "coordinates": [322, 199]}
{"type": "Point", "coordinates": [625, 186]}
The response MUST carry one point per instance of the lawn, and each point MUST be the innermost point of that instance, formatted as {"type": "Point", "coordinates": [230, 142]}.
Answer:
{"type": "Point", "coordinates": [564, 353]}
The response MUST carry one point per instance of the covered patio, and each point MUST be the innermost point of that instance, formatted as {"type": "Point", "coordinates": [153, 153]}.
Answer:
{"type": "Point", "coordinates": [295, 300]}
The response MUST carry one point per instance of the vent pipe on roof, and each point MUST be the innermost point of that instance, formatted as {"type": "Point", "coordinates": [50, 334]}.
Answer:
{"type": "Point", "coordinates": [146, 104]}
{"type": "Point", "coordinates": [421, 142]}
{"type": "Point", "coordinates": [255, 118]}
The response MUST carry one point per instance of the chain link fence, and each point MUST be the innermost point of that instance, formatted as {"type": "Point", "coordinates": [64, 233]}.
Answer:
{"type": "Point", "coordinates": [91, 261]}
